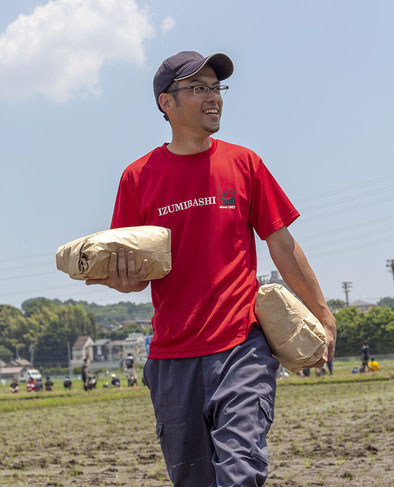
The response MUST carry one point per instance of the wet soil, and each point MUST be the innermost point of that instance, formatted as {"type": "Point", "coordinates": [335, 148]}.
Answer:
{"type": "Point", "coordinates": [327, 435]}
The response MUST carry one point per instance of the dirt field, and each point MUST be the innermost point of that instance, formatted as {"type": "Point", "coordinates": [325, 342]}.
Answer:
{"type": "Point", "coordinates": [327, 434]}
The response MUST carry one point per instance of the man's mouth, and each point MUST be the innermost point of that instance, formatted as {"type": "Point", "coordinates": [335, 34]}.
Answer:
{"type": "Point", "coordinates": [211, 111]}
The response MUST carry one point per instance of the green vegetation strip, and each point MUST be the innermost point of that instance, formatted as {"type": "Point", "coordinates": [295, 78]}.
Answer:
{"type": "Point", "coordinates": [38, 402]}
{"type": "Point", "coordinates": [10, 403]}
{"type": "Point", "coordinates": [328, 380]}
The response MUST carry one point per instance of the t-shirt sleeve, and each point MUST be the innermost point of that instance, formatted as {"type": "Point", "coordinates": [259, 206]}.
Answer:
{"type": "Point", "coordinates": [126, 212]}
{"type": "Point", "coordinates": [271, 209]}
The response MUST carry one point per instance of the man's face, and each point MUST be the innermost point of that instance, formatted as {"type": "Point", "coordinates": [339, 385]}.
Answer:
{"type": "Point", "coordinates": [198, 114]}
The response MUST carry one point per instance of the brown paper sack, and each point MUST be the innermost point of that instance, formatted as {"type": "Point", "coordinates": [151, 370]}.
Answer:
{"type": "Point", "coordinates": [88, 257]}
{"type": "Point", "coordinates": [296, 336]}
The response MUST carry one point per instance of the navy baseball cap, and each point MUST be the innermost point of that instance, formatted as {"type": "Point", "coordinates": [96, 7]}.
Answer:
{"type": "Point", "coordinates": [187, 63]}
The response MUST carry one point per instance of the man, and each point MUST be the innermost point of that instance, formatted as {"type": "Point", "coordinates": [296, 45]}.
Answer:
{"type": "Point", "coordinates": [132, 379]}
{"type": "Point", "coordinates": [210, 370]}
{"type": "Point", "coordinates": [30, 384]}
{"type": "Point", "coordinates": [14, 386]}
{"type": "Point", "coordinates": [48, 385]}
{"type": "Point", "coordinates": [67, 384]}
{"type": "Point", "coordinates": [115, 380]}
{"type": "Point", "coordinates": [364, 357]}
{"type": "Point", "coordinates": [85, 374]}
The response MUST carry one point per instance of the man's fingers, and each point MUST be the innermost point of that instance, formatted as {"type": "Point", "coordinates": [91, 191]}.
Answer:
{"type": "Point", "coordinates": [122, 274]}
{"type": "Point", "coordinates": [319, 363]}
{"type": "Point", "coordinates": [113, 266]}
{"type": "Point", "coordinates": [122, 264]}
{"type": "Point", "coordinates": [144, 270]}
{"type": "Point", "coordinates": [130, 263]}
{"type": "Point", "coordinates": [92, 281]}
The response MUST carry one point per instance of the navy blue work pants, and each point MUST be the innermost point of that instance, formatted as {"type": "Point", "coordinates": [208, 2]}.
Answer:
{"type": "Point", "coordinates": [213, 413]}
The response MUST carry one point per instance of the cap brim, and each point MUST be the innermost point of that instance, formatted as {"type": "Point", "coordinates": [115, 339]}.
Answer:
{"type": "Point", "coordinates": [220, 63]}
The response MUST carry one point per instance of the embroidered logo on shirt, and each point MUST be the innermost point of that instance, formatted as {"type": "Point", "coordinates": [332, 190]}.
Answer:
{"type": "Point", "coordinates": [185, 205]}
{"type": "Point", "coordinates": [226, 197]}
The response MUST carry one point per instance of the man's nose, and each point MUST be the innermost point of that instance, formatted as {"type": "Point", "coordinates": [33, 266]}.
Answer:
{"type": "Point", "coordinates": [212, 95]}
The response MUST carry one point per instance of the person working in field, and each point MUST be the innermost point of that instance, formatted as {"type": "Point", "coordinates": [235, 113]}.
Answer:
{"type": "Point", "coordinates": [364, 357]}
{"type": "Point", "coordinates": [85, 375]}
{"type": "Point", "coordinates": [132, 379]}
{"type": "Point", "coordinates": [48, 384]}
{"type": "Point", "coordinates": [374, 366]}
{"type": "Point", "coordinates": [14, 386]}
{"type": "Point", "coordinates": [210, 370]}
{"type": "Point", "coordinates": [30, 384]}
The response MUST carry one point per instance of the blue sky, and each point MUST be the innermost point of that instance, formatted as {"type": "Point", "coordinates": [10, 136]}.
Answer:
{"type": "Point", "coordinates": [312, 94]}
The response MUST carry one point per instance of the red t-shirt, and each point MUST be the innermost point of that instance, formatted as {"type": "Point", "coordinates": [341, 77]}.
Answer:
{"type": "Point", "coordinates": [211, 201]}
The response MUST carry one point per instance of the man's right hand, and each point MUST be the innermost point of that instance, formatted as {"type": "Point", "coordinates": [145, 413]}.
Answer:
{"type": "Point", "coordinates": [122, 274]}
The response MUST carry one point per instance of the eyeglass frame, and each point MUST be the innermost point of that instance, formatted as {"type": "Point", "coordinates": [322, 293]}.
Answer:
{"type": "Point", "coordinates": [219, 89]}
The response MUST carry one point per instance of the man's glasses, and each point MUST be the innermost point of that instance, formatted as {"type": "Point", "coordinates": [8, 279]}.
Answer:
{"type": "Point", "coordinates": [203, 90]}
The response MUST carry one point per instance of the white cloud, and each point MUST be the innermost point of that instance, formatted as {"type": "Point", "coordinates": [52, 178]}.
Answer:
{"type": "Point", "coordinates": [58, 50]}
{"type": "Point", "coordinates": [167, 24]}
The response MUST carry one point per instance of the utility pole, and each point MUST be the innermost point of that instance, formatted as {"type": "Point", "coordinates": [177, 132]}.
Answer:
{"type": "Point", "coordinates": [69, 359]}
{"type": "Point", "coordinates": [390, 265]}
{"type": "Point", "coordinates": [347, 286]}
{"type": "Point", "coordinates": [32, 354]}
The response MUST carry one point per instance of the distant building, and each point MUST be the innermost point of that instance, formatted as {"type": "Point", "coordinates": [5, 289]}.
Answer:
{"type": "Point", "coordinates": [82, 348]}
{"type": "Point", "coordinates": [101, 350]}
{"type": "Point", "coordinates": [116, 351]}
{"type": "Point", "coordinates": [8, 373]}
{"type": "Point", "coordinates": [14, 368]}
{"type": "Point", "coordinates": [21, 362]}
{"type": "Point", "coordinates": [136, 345]}
{"type": "Point", "coordinates": [362, 306]}
{"type": "Point", "coordinates": [142, 323]}
{"type": "Point", "coordinates": [107, 354]}
{"type": "Point", "coordinates": [274, 278]}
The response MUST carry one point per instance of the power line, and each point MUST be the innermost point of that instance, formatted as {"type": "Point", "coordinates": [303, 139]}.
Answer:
{"type": "Point", "coordinates": [348, 188]}
{"type": "Point", "coordinates": [345, 198]}
{"type": "Point", "coordinates": [355, 240]}
{"type": "Point", "coordinates": [338, 251]}
{"type": "Point", "coordinates": [26, 276]}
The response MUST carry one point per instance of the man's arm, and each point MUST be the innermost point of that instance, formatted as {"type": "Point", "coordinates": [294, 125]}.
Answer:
{"type": "Point", "coordinates": [291, 262]}
{"type": "Point", "coordinates": [122, 274]}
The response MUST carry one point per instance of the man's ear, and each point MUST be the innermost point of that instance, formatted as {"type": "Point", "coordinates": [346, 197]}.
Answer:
{"type": "Point", "coordinates": [165, 102]}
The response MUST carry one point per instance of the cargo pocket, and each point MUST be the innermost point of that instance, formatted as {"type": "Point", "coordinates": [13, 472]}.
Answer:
{"type": "Point", "coordinates": [145, 377]}
{"type": "Point", "coordinates": [185, 453]}
{"type": "Point", "coordinates": [164, 448]}
{"type": "Point", "coordinates": [265, 418]}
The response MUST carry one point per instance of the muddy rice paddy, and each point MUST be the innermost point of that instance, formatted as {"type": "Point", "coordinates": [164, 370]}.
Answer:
{"type": "Point", "coordinates": [326, 434]}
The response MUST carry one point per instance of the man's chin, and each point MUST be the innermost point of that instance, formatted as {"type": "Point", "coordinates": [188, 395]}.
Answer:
{"type": "Point", "coordinates": [211, 129]}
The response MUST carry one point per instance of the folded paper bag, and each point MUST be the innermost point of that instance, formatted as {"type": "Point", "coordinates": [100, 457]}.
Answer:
{"type": "Point", "coordinates": [296, 336]}
{"type": "Point", "coordinates": [88, 257]}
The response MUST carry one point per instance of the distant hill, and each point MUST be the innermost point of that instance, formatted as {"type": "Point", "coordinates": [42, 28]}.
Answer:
{"type": "Point", "coordinates": [112, 315]}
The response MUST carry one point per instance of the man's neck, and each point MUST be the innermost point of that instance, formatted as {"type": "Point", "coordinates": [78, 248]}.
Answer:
{"type": "Point", "coordinates": [189, 145]}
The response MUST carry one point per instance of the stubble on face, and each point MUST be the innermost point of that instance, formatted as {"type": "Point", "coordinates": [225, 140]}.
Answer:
{"type": "Point", "coordinates": [195, 108]}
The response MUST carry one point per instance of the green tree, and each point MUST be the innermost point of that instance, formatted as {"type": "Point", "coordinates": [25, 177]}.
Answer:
{"type": "Point", "coordinates": [349, 326]}
{"type": "Point", "coordinates": [30, 306]}
{"type": "Point", "coordinates": [378, 330]}
{"type": "Point", "coordinates": [386, 302]}
{"type": "Point", "coordinates": [5, 354]}
{"type": "Point", "coordinates": [376, 327]}
{"type": "Point", "coordinates": [122, 333]}
{"type": "Point", "coordinates": [14, 330]}
{"type": "Point", "coordinates": [336, 304]}
{"type": "Point", "coordinates": [64, 324]}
